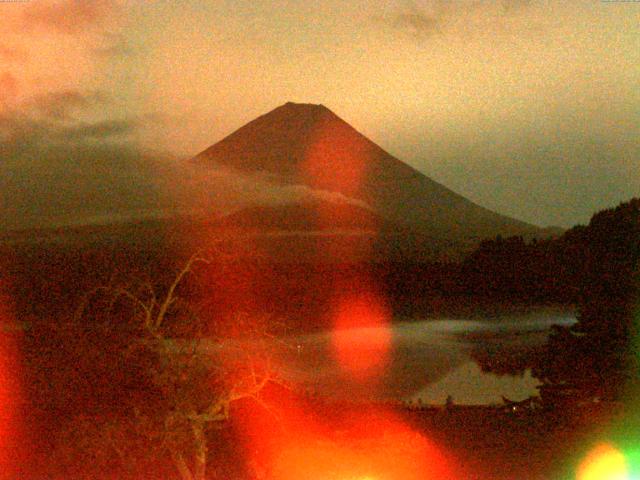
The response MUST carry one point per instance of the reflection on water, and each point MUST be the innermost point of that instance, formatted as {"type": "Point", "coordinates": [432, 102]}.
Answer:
{"type": "Point", "coordinates": [429, 359]}
{"type": "Point", "coordinates": [469, 385]}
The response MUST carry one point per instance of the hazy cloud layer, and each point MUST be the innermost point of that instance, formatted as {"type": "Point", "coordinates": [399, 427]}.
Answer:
{"type": "Point", "coordinates": [68, 16]}
{"type": "Point", "coordinates": [63, 103]}
{"type": "Point", "coordinates": [223, 189]}
{"type": "Point", "coordinates": [49, 48]}
{"type": "Point", "coordinates": [59, 169]}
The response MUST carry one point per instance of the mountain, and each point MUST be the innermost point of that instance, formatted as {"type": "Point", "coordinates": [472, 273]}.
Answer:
{"type": "Point", "coordinates": [325, 191]}
{"type": "Point", "coordinates": [303, 217]}
{"type": "Point", "coordinates": [320, 230]}
{"type": "Point", "coordinates": [304, 144]}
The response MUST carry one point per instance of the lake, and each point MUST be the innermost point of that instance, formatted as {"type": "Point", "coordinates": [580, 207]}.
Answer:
{"type": "Point", "coordinates": [424, 360]}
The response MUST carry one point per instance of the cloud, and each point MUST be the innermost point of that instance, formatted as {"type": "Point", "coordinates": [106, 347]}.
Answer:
{"type": "Point", "coordinates": [61, 162]}
{"type": "Point", "coordinates": [49, 48]}
{"type": "Point", "coordinates": [57, 116]}
{"type": "Point", "coordinates": [510, 6]}
{"type": "Point", "coordinates": [115, 45]}
{"type": "Point", "coordinates": [427, 18]}
{"type": "Point", "coordinates": [11, 54]}
{"type": "Point", "coordinates": [68, 16]}
{"type": "Point", "coordinates": [417, 22]}
{"type": "Point", "coordinates": [201, 189]}
{"type": "Point", "coordinates": [8, 86]}
{"type": "Point", "coordinates": [60, 168]}
{"type": "Point", "coordinates": [64, 103]}
{"type": "Point", "coordinates": [102, 130]}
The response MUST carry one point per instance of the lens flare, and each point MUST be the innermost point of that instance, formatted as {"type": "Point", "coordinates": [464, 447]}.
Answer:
{"type": "Point", "coordinates": [302, 442]}
{"type": "Point", "coordinates": [361, 338]}
{"type": "Point", "coordinates": [9, 389]}
{"type": "Point", "coordinates": [336, 159]}
{"type": "Point", "coordinates": [290, 437]}
{"type": "Point", "coordinates": [604, 462]}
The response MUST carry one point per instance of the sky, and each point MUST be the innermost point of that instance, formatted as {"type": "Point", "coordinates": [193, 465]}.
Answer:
{"type": "Point", "coordinates": [530, 108]}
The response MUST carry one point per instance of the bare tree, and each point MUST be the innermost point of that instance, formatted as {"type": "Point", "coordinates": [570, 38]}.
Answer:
{"type": "Point", "coordinates": [193, 377]}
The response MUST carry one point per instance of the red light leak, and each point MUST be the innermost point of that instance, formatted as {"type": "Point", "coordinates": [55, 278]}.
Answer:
{"type": "Point", "coordinates": [289, 442]}
{"type": "Point", "coordinates": [285, 439]}
{"type": "Point", "coordinates": [361, 338]}
{"type": "Point", "coordinates": [9, 390]}
{"type": "Point", "coordinates": [336, 159]}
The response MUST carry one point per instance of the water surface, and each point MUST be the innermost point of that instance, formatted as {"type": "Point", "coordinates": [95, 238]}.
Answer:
{"type": "Point", "coordinates": [428, 360]}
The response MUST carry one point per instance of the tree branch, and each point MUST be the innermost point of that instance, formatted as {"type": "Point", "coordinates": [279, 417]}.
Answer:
{"type": "Point", "coordinates": [170, 296]}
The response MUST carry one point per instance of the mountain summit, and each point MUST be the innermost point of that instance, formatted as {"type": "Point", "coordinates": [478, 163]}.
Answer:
{"type": "Point", "coordinates": [305, 144]}
{"type": "Point", "coordinates": [275, 142]}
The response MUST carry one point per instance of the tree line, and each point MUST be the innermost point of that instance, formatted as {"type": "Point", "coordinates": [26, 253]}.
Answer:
{"type": "Point", "coordinates": [596, 267]}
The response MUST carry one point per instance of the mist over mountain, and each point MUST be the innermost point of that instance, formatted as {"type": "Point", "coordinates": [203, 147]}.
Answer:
{"type": "Point", "coordinates": [303, 184]}
{"type": "Point", "coordinates": [304, 144]}
{"type": "Point", "coordinates": [303, 217]}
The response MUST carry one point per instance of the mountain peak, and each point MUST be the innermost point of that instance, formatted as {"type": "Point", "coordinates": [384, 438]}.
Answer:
{"type": "Point", "coordinates": [303, 106]}
{"type": "Point", "coordinates": [293, 111]}
{"type": "Point", "coordinates": [299, 111]}
{"type": "Point", "coordinates": [293, 108]}
{"type": "Point", "coordinates": [275, 142]}
{"type": "Point", "coordinates": [308, 144]}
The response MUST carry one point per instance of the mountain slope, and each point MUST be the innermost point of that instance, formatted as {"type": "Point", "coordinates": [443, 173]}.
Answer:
{"type": "Point", "coordinates": [321, 231]}
{"type": "Point", "coordinates": [303, 217]}
{"type": "Point", "coordinates": [310, 145]}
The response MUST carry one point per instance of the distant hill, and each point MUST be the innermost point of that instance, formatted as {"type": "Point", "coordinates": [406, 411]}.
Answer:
{"type": "Point", "coordinates": [303, 144]}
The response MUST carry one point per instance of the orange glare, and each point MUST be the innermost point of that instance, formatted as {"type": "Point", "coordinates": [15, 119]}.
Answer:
{"type": "Point", "coordinates": [336, 159]}
{"type": "Point", "coordinates": [377, 450]}
{"type": "Point", "coordinates": [604, 463]}
{"type": "Point", "coordinates": [361, 340]}
{"type": "Point", "coordinates": [291, 438]}
{"type": "Point", "coordinates": [9, 390]}
{"type": "Point", "coordinates": [373, 444]}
